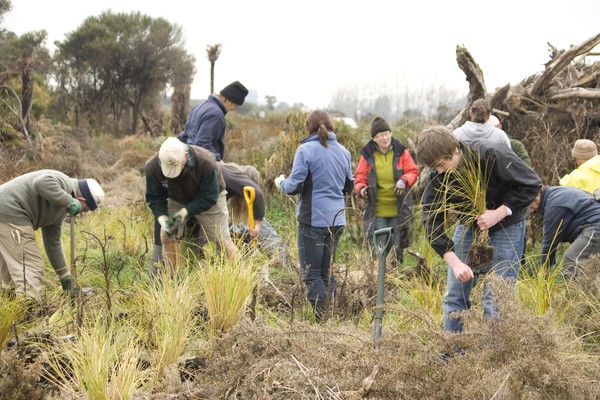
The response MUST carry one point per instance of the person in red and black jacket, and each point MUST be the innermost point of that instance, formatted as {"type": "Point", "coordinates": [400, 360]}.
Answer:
{"type": "Point", "coordinates": [383, 176]}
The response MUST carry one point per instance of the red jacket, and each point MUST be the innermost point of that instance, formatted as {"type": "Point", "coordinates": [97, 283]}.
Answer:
{"type": "Point", "coordinates": [367, 163]}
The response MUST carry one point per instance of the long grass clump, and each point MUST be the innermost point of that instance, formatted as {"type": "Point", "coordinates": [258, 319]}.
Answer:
{"type": "Point", "coordinates": [227, 286]}
{"type": "Point", "coordinates": [11, 311]}
{"type": "Point", "coordinates": [100, 364]}
{"type": "Point", "coordinates": [166, 317]}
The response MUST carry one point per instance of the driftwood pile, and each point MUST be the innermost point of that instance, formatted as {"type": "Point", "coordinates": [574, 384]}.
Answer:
{"type": "Point", "coordinates": [547, 111]}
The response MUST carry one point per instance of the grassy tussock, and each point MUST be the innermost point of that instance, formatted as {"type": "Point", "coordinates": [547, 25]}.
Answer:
{"type": "Point", "coordinates": [538, 287]}
{"type": "Point", "coordinates": [227, 285]}
{"type": "Point", "coordinates": [11, 311]}
{"type": "Point", "coordinates": [583, 295]}
{"type": "Point", "coordinates": [101, 363]}
{"type": "Point", "coordinates": [165, 317]}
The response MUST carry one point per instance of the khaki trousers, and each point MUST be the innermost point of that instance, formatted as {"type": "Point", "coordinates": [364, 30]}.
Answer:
{"type": "Point", "coordinates": [21, 263]}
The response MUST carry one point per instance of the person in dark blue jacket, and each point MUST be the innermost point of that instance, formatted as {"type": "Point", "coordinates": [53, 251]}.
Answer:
{"type": "Point", "coordinates": [571, 215]}
{"type": "Point", "coordinates": [205, 126]}
{"type": "Point", "coordinates": [321, 175]}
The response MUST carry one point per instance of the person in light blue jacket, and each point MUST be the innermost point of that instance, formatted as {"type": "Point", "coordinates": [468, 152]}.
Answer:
{"type": "Point", "coordinates": [321, 176]}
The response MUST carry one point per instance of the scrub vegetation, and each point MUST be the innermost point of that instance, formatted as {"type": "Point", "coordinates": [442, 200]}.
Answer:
{"type": "Point", "coordinates": [215, 331]}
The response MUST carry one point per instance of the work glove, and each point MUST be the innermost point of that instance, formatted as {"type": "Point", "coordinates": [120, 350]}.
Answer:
{"type": "Point", "coordinates": [74, 208]}
{"type": "Point", "coordinates": [364, 192]}
{"type": "Point", "coordinates": [278, 181]}
{"type": "Point", "coordinates": [400, 186]}
{"type": "Point", "coordinates": [68, 285]}
{"type": "Point", "coordinates": [165, 224]}
{"type": "Point", "coordinates": [179, 217]}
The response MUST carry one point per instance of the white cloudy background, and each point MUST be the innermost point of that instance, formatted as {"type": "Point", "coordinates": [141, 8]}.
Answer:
{"type": "Point", "coordinates": [305, 51]}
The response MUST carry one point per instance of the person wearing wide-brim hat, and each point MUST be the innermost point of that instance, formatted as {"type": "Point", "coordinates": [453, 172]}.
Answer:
{"type": "Point", "coordinates": [39, 199]}
{"type": "Point", "coordinates": [587, 175]}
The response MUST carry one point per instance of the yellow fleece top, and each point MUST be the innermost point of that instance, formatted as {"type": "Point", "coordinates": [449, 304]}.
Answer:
{"type": "Point", "coordinates": [385, 200]}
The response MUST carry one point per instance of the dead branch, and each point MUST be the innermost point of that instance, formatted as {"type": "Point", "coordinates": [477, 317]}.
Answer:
{"type": "Point", "coordinates": [543, 81]}
{"type": "Point", "coordinates": [473, 72]}
{"type": "Point", "coordinates": [474, 75]}
{"type": "Point", "coordinates": [578, 92]}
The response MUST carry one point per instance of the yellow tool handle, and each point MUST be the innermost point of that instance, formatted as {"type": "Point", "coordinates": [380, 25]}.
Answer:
{"type": "Point", "coordinates": [249, 195]}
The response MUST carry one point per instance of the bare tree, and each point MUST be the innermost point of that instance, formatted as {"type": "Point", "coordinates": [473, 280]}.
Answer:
{"type": "Point", "coordinates": [213, 52]}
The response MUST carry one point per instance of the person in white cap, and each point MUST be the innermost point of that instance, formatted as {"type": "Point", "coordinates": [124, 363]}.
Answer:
{"type": "Point", "coordinates": [39, 199]}
{"type": "Point", "coordinates": [183, 181]}
{"type": "Point", "coordinates": [587, 174]}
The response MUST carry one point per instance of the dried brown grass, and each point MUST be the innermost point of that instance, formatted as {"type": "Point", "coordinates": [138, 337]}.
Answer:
{"type": "Point", "coordinates": [518, 356]}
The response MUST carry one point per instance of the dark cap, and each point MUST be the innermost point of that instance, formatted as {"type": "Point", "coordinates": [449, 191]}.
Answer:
{"type": "Point", "coordinates": [235, 92]}
{"type": "Point", "coordinates": [379, 125]}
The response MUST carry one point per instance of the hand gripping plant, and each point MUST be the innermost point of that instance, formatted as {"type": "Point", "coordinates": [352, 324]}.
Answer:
{"type": "Point", "coordinates": [465, 189]}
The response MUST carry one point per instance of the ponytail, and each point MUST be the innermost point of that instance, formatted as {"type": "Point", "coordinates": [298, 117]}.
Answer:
{"type": "Point", "coordinates": [319, 122]}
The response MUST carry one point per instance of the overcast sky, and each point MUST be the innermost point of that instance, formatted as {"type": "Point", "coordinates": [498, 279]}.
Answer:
{"type": "Point", "coordinates": [304, 51]}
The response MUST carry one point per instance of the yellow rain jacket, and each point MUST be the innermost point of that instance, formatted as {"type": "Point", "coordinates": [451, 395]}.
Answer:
{"type": "Point", "coordinates": [586, 176]}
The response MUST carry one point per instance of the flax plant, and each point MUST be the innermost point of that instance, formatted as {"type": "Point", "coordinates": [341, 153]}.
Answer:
{"type": "Point", "coordinates": [227, 285]}
{"type": "Point", "coordinates": [465, 191]}
{"type": "Point", "coordinates": [422, 293]}
{"type": "Point", "coordinates": [166, 316]}
{"type": "Point", "coordinates": [537, 288]}
{"type": "Point", "coordinates": [100, 364]}
{"type": "Point", "coordinates": [11, 310]}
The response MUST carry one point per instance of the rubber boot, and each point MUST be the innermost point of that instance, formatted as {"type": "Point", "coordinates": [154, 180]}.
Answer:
{"type": "Point", "coordinates": [156, 259]}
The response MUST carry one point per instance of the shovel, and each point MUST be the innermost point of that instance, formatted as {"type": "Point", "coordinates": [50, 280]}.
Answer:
{"type": "Point", "coordinates": [382, 240]}
{"type": "Point", "coordinates": [249, 195]}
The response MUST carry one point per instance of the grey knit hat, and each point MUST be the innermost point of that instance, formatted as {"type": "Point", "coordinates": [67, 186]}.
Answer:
{"type": "Point", "coordinates": [584, 149]}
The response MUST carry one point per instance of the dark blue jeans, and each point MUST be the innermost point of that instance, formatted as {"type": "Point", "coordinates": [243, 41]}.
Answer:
{"type": "Point", "coordinates": [316, 251]}
{"type": "Point", "coordinates": [506, 261]}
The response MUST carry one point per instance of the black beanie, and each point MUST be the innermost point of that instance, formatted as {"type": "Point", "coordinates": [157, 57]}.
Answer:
{"type": "Point", "coordinates": [235, 92]}
{"type": "Point", "coordinates": [379, 125]}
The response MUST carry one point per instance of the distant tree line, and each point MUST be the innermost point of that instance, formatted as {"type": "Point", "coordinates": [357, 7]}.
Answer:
{"type": "Point", "coordinates": [111, 73]}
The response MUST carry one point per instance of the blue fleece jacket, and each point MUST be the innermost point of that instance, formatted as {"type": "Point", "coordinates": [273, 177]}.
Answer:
{"type": "Point", "coordinates": [205, 127]}
{"type": "Point", "coordinates": [321, 175]}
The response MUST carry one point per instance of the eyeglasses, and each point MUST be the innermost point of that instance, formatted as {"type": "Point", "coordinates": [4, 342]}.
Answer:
{"type": "Point", "coordinates": [383, 135]}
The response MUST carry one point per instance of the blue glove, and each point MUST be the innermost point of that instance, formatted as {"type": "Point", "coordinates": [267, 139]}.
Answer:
{"type": "Point", "coordinates": [74, 208]}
